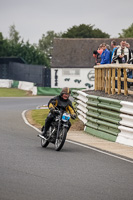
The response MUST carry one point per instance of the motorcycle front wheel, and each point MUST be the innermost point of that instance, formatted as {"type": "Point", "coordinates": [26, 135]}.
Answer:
{"type": "Point", "coordinates": [61, 140]}
{"type": "Point", "coordinates": [44, 143]}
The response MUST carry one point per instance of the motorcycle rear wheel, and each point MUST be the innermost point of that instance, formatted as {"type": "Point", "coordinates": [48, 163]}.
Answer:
{"type": "Point", "coordinates": [61, 140]}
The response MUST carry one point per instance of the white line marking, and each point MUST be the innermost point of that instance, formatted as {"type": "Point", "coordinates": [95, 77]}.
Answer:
{"type": "Point", "coordinates": [25, 120]}
{"type": "Point", "coordinates": [76, 143]}
{"type": "Point", "coordinates": [100, 151]}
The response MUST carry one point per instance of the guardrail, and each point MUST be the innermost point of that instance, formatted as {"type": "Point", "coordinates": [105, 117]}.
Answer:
{"type": "Point", "coordinates": [106, 77]}
{"type": "Point", "coordinates": [106, 118]}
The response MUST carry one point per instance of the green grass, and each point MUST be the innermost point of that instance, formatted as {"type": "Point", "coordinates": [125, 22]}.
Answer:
{"type": "Point", "coordinates": [40, 115]}
{"type": "Point", "coordinates": [13, 92]}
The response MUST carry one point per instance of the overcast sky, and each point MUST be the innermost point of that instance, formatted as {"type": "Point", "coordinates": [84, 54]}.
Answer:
{"type": "Point", "coordinates": [32, 18]}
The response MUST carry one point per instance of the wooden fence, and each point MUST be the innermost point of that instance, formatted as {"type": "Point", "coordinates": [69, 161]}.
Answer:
{"type": "Point", "coordinates": [112, 78]}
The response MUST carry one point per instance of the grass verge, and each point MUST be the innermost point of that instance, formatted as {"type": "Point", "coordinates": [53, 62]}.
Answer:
{"type": "Point", "coordinates": [13, 92]}
{"type": "Point", "coordinates": [39, 116]}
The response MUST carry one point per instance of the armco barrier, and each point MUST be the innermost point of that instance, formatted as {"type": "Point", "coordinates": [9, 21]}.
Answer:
{"type": "Point", "coordinates": [106, 118]}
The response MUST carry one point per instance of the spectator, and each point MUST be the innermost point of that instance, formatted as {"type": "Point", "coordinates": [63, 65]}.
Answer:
{"type": "Point", "coordinates": [129, 71]}
{"type": "Point", "coordinates": [105, 56]}
{"type": "Point", "coordinates": [128, 45]}
{"type": "Point", "coordinates": [130, 60]}
{"type": "Point", "coordinates": [97, 57]}
{"type": "Point", "coordinates": [100, 50]}
{"type": "Point", "coordinates": [122, 54]}
{"type": "Point", "coordinates": [108, 47]}
{"type": "Point", "coordinates": [114, 46]}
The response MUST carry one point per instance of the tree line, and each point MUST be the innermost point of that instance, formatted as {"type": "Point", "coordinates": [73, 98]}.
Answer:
{"type": "Point", "coordinates": [40, 54]}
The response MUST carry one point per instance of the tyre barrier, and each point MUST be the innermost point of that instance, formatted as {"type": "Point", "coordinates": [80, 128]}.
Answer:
{"type": "Point", "coordinates": [106, 118]}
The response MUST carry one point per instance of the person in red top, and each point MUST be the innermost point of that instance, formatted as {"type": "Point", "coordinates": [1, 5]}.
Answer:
{"type": "Point", "coordinates": [97, 57]}
{"type": "Point", "coordinates": [100, 50]}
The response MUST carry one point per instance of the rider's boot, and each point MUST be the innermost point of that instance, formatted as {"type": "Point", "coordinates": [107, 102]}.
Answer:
{"type": "Point", "coordinates": [43, 134]}
{"type": "Point", "coordinates": [43, 131]}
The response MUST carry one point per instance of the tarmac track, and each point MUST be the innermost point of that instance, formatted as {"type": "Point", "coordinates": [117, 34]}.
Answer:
{"type": "Point", "coordinates": [28, 171]}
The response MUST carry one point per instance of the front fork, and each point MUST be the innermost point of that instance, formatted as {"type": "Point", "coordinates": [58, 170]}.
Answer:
{"type": "Point", "coordinates": [58, 131]}
{"type": "Point", "coordinates": [57, 136]}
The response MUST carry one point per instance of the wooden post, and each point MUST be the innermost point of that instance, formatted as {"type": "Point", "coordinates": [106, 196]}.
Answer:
{"type": "Point", "coordinates": [99, 79]}
{"type": "Point", "coordinates": [109, 82]}
{"type": "Point", "coordinates": [119, 80]}
{"type": "Point", "coordinates": [100, 84]}
{"type": "Point", "coordinates": [103, 80]}
{"type": "Point", "coordinates": [106, 81]}
{"type": "Point", "coordinates": [125, 82]}
{"type": "Point", "coordinates": [96, 79]}
{"type": "Point", "coordinates": [113, 81]}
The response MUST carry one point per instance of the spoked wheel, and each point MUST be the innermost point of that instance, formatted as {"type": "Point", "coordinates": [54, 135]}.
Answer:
{"type": "Point", "coordinates": [61, 140]}
{"type": "Point", "coordinates": [44, 143]}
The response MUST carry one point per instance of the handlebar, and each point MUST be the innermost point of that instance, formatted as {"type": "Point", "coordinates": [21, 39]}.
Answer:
{"type": "Point", "coordinates": [73, 116]}
{"type": "Point", "coordinates": [57, 112]}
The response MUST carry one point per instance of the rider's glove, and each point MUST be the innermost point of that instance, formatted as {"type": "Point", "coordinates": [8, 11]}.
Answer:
{"type": "Point", "coordinates": [56, 112]}
{"type": "Point", "coordinates": [73, 116]}
{"type": "Point", "coordinates": [52, 110]}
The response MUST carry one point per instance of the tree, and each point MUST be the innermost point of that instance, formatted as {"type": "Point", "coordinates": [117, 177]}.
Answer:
{"type": "Point", "coordinates": [30, 53]}
{"type": "Point", "coordinates": [127, 33]}
{"type": "Point", "coordinates": [46, 42]}
{"type": "Point", "coordinates": [84, 31]}
{"type": "Point", "coordinates": [4, 46]}
{"type": "Point", "coordinates": [13, 35]}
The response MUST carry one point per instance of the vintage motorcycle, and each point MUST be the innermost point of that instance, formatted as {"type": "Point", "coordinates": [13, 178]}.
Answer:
{"type": "Point", "coordinates": [57, 131]}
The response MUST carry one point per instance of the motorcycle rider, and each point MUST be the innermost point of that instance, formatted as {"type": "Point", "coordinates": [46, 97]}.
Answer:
{"type": "Point", "coordinates": [61, 101]}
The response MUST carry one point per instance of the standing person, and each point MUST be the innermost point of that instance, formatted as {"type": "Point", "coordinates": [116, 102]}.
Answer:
{"type": "Point", "coordinates": [131, 60]}
{"type": "Point", "coordinates": [114, 46]}
{"type": "Point", "coordinates": [100, 50]}
{"type": "Point", "coordinates": [129, 71]}
{"type": "Point", "coordinates": [122, 54]}
{"type": "Point", "coordinates": [105, 56]}
{"type": "Point", "coordinates": [97, 57]}
{"type": "Point", "coordinates": [108, 47]}
{"type": "Point", "coordinates": [128, 45]}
